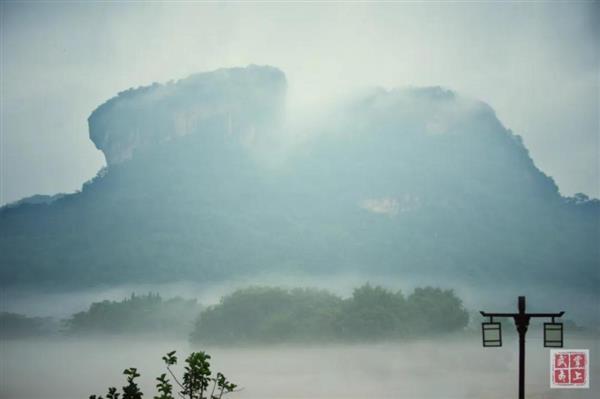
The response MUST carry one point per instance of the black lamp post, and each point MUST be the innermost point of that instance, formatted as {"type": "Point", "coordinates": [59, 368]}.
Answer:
{"type": "Point", "coordinates": [492, 334]}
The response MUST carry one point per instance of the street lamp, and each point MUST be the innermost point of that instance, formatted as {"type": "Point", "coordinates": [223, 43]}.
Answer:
{"type": "Point", "coordinates": [553, 335]}
{"type": "Point", "coordinates": [492, 334]}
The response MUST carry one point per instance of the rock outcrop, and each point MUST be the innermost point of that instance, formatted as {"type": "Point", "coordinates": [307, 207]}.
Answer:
{"type": "Point", "coordinates": [239, 100]}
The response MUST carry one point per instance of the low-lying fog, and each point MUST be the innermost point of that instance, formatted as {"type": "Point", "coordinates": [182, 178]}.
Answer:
{"type": "Point", "coordinates": [581, 307]}
{"type": "Point", "coordinates": [446, 368]}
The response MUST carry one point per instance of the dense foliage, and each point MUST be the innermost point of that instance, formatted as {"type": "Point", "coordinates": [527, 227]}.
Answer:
{"type": "Point", "coordinates": [270, 315]}
{"type": "Point", "coordinates": [196, 383]}
{"type": "Point", "coordinates": [139, 314]}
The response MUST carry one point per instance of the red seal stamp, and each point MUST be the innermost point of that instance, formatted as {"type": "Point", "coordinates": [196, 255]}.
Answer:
{"type": "Point", "coordinates": [569, 368]}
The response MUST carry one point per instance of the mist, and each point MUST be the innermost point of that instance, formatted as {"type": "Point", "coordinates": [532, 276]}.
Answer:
{"type": "Point", "coordinates": [452, 368]}
{"type": "Point", "coordinates": [580, 307]}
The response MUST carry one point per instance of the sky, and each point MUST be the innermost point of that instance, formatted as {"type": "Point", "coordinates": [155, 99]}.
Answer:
{"type": "Point", "coordinates": [536, 63]}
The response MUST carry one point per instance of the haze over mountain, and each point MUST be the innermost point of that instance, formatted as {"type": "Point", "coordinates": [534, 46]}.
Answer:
{"type": "Point", "coordinates": [207, 181]}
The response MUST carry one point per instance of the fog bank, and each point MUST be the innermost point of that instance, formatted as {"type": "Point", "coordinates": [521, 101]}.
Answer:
{"type": "Point", "coordinates": [452, 368]}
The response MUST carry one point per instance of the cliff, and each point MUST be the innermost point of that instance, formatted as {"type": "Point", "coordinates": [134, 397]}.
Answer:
{"type": "Point", "coordinates": [238, 101]}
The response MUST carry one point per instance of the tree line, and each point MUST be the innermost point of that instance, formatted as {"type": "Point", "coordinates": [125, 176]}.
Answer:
{"type": "Point", "coordinates": [138, 314]}
{"type": "Point", "coordinates": [276, 315]}
{"type": "Point", "coordinates": [262, 314]}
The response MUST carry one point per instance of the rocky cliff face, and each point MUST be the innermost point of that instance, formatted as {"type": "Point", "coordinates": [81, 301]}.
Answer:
{"type": "Point", "coordinates": [239, 101]}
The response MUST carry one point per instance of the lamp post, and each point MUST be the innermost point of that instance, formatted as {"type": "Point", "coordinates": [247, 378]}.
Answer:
{"type": "Point", "coordinates": [492, 334]}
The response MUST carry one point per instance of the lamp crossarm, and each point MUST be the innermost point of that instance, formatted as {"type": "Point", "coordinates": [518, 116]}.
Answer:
{"type": "Point", "coordinates": [486, 314]}
{"type": "Point", "coordinates": [559, 314]}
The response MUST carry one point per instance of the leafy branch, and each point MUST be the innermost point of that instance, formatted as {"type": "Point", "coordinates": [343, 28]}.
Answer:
{"type": "Point", "coordinates": [196, 382]}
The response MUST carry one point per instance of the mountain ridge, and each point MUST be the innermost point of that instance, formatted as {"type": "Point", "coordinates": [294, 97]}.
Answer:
{"type": "Point", "coordinates": [417, 182]}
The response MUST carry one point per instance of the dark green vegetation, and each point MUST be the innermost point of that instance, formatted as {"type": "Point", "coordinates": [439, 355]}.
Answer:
{"type": "Point", "coordinates": [196, 383]}
{"type": "Point", "coordinates": [200, 185]}
{"type": "Point", "coordinates": [13, 325]}
{"type": "Point", "coordinates": [274, 315]}
{"type": "Point", "coordinates": [259, 315]}
{"type": "Point", "coordinates": [145, 314]}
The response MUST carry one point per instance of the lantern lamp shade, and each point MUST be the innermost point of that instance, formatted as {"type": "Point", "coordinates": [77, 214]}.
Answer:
{"type": "Point", "coordinates": [553, 335]}
{"type": "Point", "coordinates": [492, 334]}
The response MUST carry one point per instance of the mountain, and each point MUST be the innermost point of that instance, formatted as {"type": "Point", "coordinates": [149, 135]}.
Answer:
{"type": "Point", "coordinates": [205, 182]}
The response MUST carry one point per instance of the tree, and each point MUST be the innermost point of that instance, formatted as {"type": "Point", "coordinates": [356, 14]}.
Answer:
{"type": "Point", "coordinates": [195, 384]}
{"type": "Point", "coordinates": [269, 314]}
{"type": "Point", "coordinates": [276, 315]}
{"type": "Point", "coordinates": [372, 313]}
{"type": "Point", "coordinates": [138, 314]}
{"type": "Point", "coordinates": [434, 310]}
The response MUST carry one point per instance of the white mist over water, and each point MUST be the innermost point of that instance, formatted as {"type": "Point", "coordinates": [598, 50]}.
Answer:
{"type": "Point", "coordinates": [446, 368]}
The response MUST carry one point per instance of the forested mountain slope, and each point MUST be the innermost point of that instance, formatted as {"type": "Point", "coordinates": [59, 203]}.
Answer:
{"type": "Point", "coordinates": [411, 182]}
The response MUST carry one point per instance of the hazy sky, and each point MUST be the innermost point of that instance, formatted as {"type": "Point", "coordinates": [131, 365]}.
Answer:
{"type": "Point", "coordinates": [536, 64]}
